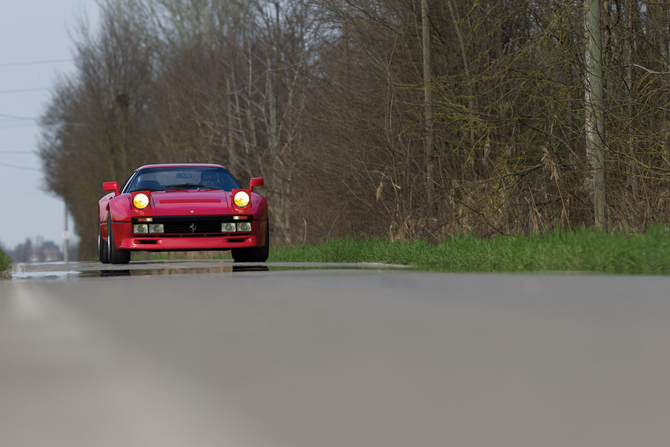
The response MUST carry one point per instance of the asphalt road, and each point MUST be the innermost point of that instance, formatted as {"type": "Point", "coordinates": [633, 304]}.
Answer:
{"type": "Point", "coordinates": [321, 358]}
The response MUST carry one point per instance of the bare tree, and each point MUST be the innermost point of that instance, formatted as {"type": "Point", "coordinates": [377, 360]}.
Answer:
{"type": "Point", "coordinates": [91, 127]}
{"type": "Point", "coordinates": [392, 118]}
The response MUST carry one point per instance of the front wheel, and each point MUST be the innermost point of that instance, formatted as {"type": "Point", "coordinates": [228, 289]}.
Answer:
{"type": "Point", "coordinates": [256, 254]}
{"type": "Point", "coordinates": [116, 255]}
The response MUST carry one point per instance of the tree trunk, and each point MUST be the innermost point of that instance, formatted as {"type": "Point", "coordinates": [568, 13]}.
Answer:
{"type": "Point", "coordinates": [629, 83]}
{"type": "Point", "coordinates": [232, 157]}
{"type": "Point", "coordinates": [466, 69]}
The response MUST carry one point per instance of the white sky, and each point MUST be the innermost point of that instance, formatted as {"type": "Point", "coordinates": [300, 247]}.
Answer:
{"type": "Point", "coordinates": [31, 31]}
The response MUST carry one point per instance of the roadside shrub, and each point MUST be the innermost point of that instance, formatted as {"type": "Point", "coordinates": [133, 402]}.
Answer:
{"type": "Point", "coordinates": [5, 261]}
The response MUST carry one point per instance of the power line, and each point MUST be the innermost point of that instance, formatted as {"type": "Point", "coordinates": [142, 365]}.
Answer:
{"type": "Point", "coordinates": [53, 61]}
{"type": "Point", "coordinates": [19, 167]}
{"type": "Point", "coordinates": [10, 118]}
{"type": "Point", "coordinates": [19, 126]}
{"type": "Point", "coordinates": [23, 193]}
{"type": "Point", "coordinates": [23, 90]}
{"type": "Point", "coordinates": [18, 152]}
{"type": "Point", "coordinates": [17, 117]}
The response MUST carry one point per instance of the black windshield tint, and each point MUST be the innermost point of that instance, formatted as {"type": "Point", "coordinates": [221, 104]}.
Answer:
{"type": "Point", "coordinates": [183, 177]}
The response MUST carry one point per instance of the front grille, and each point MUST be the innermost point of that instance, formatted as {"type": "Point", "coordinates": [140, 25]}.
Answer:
{"type": "Point", "coordinates": [193, 227]}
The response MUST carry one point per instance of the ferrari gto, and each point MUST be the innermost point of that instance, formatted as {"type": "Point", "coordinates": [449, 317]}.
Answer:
{"type": "Point", "coordinates": [182, 207]}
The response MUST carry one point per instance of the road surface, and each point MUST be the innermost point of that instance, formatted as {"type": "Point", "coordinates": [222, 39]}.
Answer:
{"type": "Point", "coordinates": [321, 358]}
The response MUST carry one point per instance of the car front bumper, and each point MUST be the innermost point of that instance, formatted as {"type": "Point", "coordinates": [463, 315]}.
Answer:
{"type": "Point", "coordinates": [124, 238]}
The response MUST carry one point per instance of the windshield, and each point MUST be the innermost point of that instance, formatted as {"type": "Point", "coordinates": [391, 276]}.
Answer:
{"type": "Point", "coordinates": [183, 177]}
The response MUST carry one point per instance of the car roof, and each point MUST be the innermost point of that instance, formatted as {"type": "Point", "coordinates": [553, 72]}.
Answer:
{"type": "Point", "coordinates": [178, 165]}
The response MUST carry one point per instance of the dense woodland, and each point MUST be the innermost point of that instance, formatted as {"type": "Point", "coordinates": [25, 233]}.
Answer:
{"type": "Point", "coordinates": [390, 118]}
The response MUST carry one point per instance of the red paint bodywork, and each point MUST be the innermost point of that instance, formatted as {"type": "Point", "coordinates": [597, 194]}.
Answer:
{"type": "Point", "coordinates": [181, 203]}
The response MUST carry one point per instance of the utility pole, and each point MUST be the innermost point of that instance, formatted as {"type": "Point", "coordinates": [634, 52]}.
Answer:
{"type": "Point", "coordinates": [65, 237]}
{"type": "Point", "coordinates": [595, 119]}
{"type": "Point", "coordinates": [428, 103]}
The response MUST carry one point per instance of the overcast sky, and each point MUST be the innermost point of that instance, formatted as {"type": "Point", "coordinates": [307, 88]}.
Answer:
{"type": "Point", "coordinates": [35, 48]}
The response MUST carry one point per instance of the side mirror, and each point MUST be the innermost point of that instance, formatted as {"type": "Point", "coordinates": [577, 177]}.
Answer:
{"type": "Point", "coordinates": [111, 186]}
{"type": "Point", "coordinates": [258, 181]}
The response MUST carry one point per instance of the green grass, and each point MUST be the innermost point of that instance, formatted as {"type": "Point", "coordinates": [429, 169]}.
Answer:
{"type": "Point", "coordinates": [581, 250]}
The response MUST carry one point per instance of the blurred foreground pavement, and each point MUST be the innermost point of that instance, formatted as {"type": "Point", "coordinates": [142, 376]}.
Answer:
{"type": "Point", "coordinates": [335, 358]}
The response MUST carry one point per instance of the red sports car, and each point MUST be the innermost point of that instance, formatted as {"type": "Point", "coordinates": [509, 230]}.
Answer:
{"type": "Point", "coordinates": [182, 207]}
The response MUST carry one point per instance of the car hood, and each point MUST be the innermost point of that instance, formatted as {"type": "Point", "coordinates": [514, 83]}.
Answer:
{"type": "Point", "coordinates": [195, 202]}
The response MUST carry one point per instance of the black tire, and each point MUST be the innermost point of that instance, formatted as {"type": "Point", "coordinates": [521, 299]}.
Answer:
{"type": "Point", "coordinates": [116, 255]}
{"type": "Point", "coordinates": [103, 248]}
{"type": "Point", "coordinates": [256, 254]}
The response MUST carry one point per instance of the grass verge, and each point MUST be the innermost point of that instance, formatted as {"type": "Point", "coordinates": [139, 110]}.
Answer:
{"type": "Point", "coordinates": [582, 250]}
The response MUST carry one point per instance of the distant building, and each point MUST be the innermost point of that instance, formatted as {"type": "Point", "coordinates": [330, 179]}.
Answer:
{"type": "Point", "coordinates": [40, 251]}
